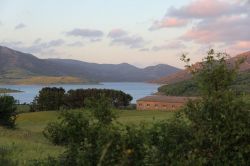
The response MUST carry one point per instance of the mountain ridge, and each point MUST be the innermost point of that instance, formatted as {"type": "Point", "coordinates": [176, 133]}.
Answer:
{"type": "Point", "coordinates": [18, 65]}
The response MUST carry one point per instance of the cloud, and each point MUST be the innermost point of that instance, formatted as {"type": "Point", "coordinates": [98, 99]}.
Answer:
{"type": "Point", "coordinates": [134, 41]}
{"type": "Point", "coordinates": [117, 33]}
{"type": "Point", "coordinates": [38, 40]}
{"type": "Point", "coordinates": [207, 9]}
{"type": "Point", "coordinates": [91, 34]}
{"type": "Point", "coordinates": [75, 44]}
{"type": "Point", "coordinates": [122, 37]}
{"type": "Point", "coordinates": [243, 45]}
{"type": "Point", "coordinates": [11, 44]}
{"type": "Point", "coordinates": [168, 23]}
{"type": "Point", "coordinates": [169, 46]}
{"type": "Point", "coordinates": [55, 43]}
{"type": "Point", "coordinates": [223, 29]}
{"type": "Point", "coordinates": [200, 10]}
{"type": "Point", "coordinates": [36, 47]}
{"type": "Point", "coordinates": [144, 49]}
{"type": "Point", "coordinates": [20, 26]}
{"type": "Point", "coordinates": [212, 22]}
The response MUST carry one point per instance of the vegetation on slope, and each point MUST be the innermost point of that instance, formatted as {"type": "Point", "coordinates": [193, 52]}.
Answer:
{"type": "Point", "coordinates": [43, 80]}
{"type": "Point", "coordinates": [190, 87]}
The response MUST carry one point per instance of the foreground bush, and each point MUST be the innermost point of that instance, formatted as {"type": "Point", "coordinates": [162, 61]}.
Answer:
{"type": "Point", "coordinates": [7, 111]}
{"type": "Point", "coordinates": [220, 120]}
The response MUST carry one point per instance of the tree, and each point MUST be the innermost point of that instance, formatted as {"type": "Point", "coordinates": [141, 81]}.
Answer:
{"type": "Point", "coordinates": [77, 98]}
{"type": "Point", "coordinates": [49, 98]}
{"type": "Point", "coordinates": [219, 120]}
{"type": "Point", "coordinates": [7, 111]}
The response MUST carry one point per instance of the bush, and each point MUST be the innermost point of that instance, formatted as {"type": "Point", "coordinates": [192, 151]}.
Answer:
{"type": "Point", "coordinates": [7, 111]}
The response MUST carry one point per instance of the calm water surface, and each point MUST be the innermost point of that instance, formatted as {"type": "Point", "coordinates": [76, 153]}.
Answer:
{"type": "Point", "coordinates": [136, 90]}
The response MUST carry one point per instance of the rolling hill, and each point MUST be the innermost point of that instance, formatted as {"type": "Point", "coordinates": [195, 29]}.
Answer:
{"type": "Point", "coordinates": [17, 68]}
{"type": "Point", "coordinates": [185, 75]}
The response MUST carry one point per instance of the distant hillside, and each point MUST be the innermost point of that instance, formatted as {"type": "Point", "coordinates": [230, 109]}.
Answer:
{"type": "Point", "coordinates": [190, 88]}
{"type": "Point", "coordinates": [185, 75]}
{"type": "Point", "coordinates": [17, 67]}
{"type": "Point", "coordinates": [115, 72]}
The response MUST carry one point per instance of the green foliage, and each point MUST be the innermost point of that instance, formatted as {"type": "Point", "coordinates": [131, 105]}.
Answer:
{"type": "Point", "coordinates": [5, 158]}
{"type": "Point", "coordinates": [7, 111]}
{"type": "Point", "coordinates": [77, 98]}
{"type": "Point", "coordinates": [48, 99]}
{"type": "Point", "coordinates": [190, 87]}
{"type": "Point", "coordinates": [183, 88]}
{"type": "Point", "coordinates": [52, 98]}
{"type": "Point", "coordinates": [169, 142]}
{"type": "Point", "coordinates": [219, 121]}
{"type": "Point", "coordinates": [97, 140]}
{"type": "Point", "coordinates": [101, 109]}
{"type": "Point", "coordinates": [71, 128]}
{"type": "Point", "coordinates": [215, 72]}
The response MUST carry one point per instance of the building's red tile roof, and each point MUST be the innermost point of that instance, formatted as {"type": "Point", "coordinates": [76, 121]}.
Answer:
{"type": "Point", "coordinates": [169, 99]}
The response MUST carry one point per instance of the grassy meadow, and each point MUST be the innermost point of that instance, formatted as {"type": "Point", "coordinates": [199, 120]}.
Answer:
{"type": "Point", "coordinates": [27, 141]}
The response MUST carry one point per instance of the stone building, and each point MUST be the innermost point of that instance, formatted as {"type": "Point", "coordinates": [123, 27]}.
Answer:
{"type": "Point", "coordinates": [161, 102]}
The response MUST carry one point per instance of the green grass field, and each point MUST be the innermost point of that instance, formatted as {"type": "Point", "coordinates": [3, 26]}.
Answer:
{"type": "Point", "coordinates": [27, 141]}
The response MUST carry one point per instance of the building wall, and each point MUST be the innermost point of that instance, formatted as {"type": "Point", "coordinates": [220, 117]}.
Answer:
{"type": "Point", "coordinates": [151, 105]}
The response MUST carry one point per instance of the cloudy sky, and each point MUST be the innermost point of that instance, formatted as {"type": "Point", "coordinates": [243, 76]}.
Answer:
{"type": "Point", "coordinates": [139, 32]}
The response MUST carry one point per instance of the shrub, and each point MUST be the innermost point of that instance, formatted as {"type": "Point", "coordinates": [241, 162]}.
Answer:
{"type": "Point", "coordinates": [7, 111]}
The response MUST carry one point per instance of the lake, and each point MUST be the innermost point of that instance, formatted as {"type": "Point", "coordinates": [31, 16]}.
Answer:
{"type": "Point", "coordinates": [136, 90]}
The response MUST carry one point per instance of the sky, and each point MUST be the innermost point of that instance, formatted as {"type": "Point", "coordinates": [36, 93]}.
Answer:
{"type": "Point", "coordinates": [139, 32]}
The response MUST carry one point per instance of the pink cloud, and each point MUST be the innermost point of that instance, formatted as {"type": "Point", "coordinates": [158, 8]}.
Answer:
{"type": "Point", "coordinates": [243, 45]}
{"type": "Point", "coordinates": [201, 8]}
{"type": "Point", "coordinates": [169, 22]}
{"type": "Point", "coordinates": [207, 8]}
{"type": "Point", "coordinates": [225, 29]}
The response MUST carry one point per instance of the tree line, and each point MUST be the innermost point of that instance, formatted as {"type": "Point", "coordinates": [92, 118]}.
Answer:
{"type": "Point", "coordinates": [53, 98]}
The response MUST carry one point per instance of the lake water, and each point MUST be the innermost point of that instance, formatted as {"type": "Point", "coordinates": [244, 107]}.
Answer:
{"type": "Point", "coordinates": [136, 90]}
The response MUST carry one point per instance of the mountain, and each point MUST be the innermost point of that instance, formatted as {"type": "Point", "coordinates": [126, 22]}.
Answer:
{"type": "Point", "coordinates": [185, 75]}
{"type": "Point", "coordinates": [16, 66]}
{"type": "Point", "coordinates": [116, 72]}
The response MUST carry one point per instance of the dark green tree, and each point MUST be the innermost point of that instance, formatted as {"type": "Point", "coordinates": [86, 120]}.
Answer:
{"type": "Point", "coordinates": [49, 98]}
{"type": "Point", "coordinates": [7, 111]}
